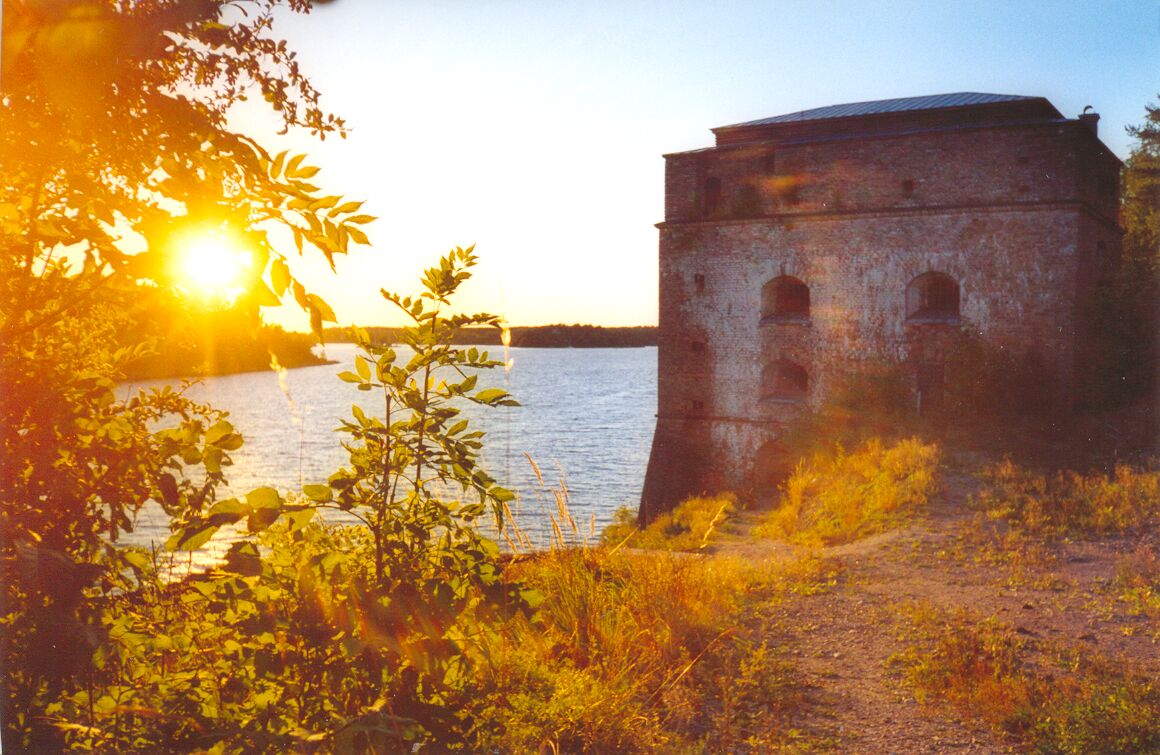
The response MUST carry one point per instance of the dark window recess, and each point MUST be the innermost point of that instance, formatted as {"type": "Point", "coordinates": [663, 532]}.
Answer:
{"type": "Point", "coordinates": [931, 388]}
{"type": "Point", "coordinates": [696, 407]}
{"type": "Point", "coordinates": [785, 298]}
{"type": "Point", "coordinates": [699, 283]}
{"type": "Point", "coordinates": [784, 381]}
{"type": "Point", "coordinates": [791, 194]}
{"type": "Point", "coordinates": [933, 297]}
{"type": "Point", "coordinates": [711, 197]}
{"type": "Point", "coordinates": [769, 164]}
{"type": "Point", "coordinates": [747, 203]}
{"type": "Point", "coordinates": [908, 187]}
{"type": "Point", "coordinates": [698, 347]}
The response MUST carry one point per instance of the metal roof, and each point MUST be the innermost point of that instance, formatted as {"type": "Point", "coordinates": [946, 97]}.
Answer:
{"type": "Point", "coordinates": [899, 105]}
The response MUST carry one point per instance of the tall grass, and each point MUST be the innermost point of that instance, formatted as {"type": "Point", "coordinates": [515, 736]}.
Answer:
{"type": "Point", "coordinates": [640, 651]}
{"type": "Point", "coordinates": [839, 497]}
{"type": "Point", "coordinates": [690, 526]}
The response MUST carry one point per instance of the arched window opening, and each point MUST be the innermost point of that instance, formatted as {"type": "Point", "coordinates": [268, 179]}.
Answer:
{"type": "Point", "coordinates": [784, 381]}
{"type": "Point", "coordinates": [785, 298]}
{"type": "Point", "coordinates": [932, 297]}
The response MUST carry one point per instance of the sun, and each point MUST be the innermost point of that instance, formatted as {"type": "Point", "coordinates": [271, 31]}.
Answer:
{"type": "Point", "coordinates": [211, 263]}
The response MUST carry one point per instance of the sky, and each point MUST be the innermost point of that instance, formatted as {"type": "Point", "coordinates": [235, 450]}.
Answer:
{"type": "Point", "coordinates": [535, 130]}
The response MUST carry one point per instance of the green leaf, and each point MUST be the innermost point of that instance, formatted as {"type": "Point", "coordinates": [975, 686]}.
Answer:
{"type": "Point", "coordinates": [363, 367]}
{"type": "Point", "coordinates": [356, 235]}
{"type": "Point", "coordinates": [320, 493]}
{"type": "Point", "coordinates": [264, 498]}
{"type": "Point", "coordinates": [193, 538]}
{"type": "Point", "coordinates": [279, 276]}
{"type": "Point", "coordinates": [139, 560]}
{"type": "Point", "coordinates": [218, 431]}
{"type": "Point", "coordinates": [349, 377]}
{"type": "Point", "coordinates": [263, 296]}
{"type": "Point", "coordinates": [491, 395]}
{"type": "Point", "coordinates": [292, 166]}
{"type": "Point", "coordinates": [299, 519]}
{"type": "Point", "coordinates": [324, 310]}
{"type": "Point", "coordinates": [229, 506]}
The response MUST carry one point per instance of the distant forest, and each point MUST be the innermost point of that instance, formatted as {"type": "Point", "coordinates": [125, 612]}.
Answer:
{"type": "Point", "coordinates": [191, 341]}
{"type": "Point", "coordinates": [540, 336]}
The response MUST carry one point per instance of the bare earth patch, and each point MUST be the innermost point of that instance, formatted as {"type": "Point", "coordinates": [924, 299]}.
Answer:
{"type": "Point", "coordinates": [844, 639]}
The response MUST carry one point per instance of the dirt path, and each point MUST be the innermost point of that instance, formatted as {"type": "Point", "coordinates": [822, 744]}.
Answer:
{"type": "Point", "coordinates": [843, 638]}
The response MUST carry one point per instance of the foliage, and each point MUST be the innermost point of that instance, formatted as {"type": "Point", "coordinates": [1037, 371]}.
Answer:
{"type": "Point", "coordinates": [839, 497]}
{"type": "Point", "coordinates": [327, 637]}
{"type": "Point", "coordinates": [114, 144]}
{"type": "Point", "coordinates": [1121, 313]}
{"type": "Point", "coordinates": [1070, 504]}
{"type": "Point", "coordinates": [690, 526]}
{"type": "Point", "coordinates": [1052, 699]}
{"type": "Point", "coordinates": [1141, 194]}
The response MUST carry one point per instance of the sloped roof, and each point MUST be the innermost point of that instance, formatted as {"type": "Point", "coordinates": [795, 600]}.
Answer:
{"type": "Point", "coordinates": [875, 107]}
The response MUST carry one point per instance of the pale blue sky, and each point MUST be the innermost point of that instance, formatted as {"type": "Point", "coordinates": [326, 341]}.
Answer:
{"type": "Point", "coordinates": [536, 130]}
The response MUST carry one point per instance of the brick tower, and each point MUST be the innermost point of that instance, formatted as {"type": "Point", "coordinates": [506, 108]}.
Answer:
{"type": "Point", "coordinates": [804, 246]}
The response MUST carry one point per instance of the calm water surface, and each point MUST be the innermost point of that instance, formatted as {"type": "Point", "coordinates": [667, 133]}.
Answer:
{"type": "Point", "coordinates": [586, 418]}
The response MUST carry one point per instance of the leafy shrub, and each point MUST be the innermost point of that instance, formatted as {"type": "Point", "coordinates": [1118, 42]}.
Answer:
{"type": "Point", "coordinates": [690, 526]}
{"type": "Point", "coordinates": [839, 497]}
{"type": "Point", "coordinates": [333, 638]}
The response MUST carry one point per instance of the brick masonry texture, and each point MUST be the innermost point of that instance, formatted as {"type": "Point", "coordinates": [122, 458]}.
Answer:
{"type": "Point", "coordinates": [1016, 204]}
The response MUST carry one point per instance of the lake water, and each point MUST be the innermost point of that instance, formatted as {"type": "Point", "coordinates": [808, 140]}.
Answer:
{"type": "Point", "coordinates": [586, 418]}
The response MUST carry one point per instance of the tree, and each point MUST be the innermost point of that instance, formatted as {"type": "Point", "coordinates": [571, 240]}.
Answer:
{"type": "Point", "coordinates": [1140, 213]}
{"type": "Point", "coordinates": [114, 142]}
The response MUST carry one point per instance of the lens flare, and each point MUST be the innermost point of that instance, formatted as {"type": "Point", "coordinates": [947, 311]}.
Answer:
{"type": "Point", "coordinates": [212, 264]}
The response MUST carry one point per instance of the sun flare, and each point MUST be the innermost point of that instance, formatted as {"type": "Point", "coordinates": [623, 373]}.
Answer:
{"type": "Point", "coordinates": [211, 264]}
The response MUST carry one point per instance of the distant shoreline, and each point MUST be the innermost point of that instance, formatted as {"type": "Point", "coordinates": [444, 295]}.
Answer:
{"type": "Point", "coordinates": [537, 336]}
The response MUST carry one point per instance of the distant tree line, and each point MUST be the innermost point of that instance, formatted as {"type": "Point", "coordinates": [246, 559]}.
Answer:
{"type": "Point", "coordinates": [186, 340]}
{"type": "Point", "coordinates": [540, 336]}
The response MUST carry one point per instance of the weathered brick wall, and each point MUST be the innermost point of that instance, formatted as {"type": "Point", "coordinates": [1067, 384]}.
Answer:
{"type": "Point", "coordinates": [1018, 216]}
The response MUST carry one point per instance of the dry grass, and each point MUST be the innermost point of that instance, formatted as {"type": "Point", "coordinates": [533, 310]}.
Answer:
{"type": "Point", "coordinates": [840, 497]}
{"type": "Point", "coordinates": [631, 652]}
{"type": "Point", "coordinates": [1070, 504]}
{"type": "Point", "coordinates": [692, 525]}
